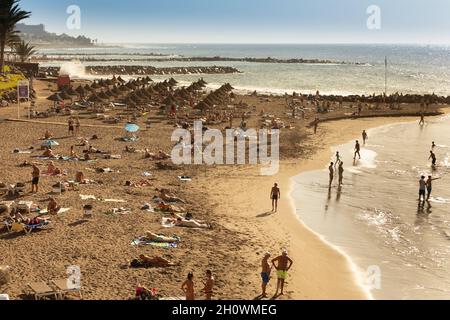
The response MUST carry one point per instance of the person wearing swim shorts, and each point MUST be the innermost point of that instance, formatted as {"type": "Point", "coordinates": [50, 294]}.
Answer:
{"type": "Point", "coordinates": [422, 188]}
{"type": "Point", "coordinates": [209, 285]}
{"type": "Point", "coordinates": [282, 264]}
{"type": "Point", "coordinates": [35, 179]}
{"type": "Point", "coordinates": [433, 159]}
{"type": "Point", "coordinates": [429, 184]}
{"type": "Point", "coordinates": [357, 150]}
{"type": "Point", "coordinates": [331, 171]}
{"type": "Point", "coordinates": [275, 195]}
{"type": "Point", "coordinates": [265, 274]}
{"type": "Point", "coordinates": [71, 126]}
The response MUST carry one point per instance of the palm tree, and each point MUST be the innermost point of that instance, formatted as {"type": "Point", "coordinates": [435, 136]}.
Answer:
{"type": "Point", "coordinates": [10, 15]}
{"type": "Point", "coordinates": [24, 50]}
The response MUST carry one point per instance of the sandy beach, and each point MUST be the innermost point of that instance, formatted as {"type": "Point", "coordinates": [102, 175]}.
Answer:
{"type": "Point", "coordinates": [235, 200]}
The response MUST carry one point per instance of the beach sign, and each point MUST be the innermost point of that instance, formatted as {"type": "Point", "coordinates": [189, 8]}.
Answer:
{"type": "Point", "coordinates": [23, 89]}
{"type": "Point", "coordinates": [23, 92]}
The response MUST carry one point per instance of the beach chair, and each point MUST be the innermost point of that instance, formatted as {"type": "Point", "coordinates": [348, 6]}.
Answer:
{"type": "Point", "coordinates": [24, 206]}
{"type": "Point", "coordinates": [39, 290]}
{"type": "Point", "coordinates": [64, 287]}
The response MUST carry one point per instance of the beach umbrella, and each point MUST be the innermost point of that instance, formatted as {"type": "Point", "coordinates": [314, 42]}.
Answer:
{"type": "Point", "coordinates": [71, 92]}
{"type": "Point", "coordinates": [102, 95]}
{"type": "Point", "coordinates": [65, 96]}
{"type": "Point", "coordinates": [131, 127]}
{"type": "Point", "coordinates": [94, 98]}
{"type": "Point", "coordinates": [49, 143]}
{"type": "Point", "coordinates": [55, 97]}
{"type": "Point", "coordinates": [80, 90]}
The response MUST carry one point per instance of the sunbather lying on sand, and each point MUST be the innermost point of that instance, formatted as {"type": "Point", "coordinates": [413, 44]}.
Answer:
{"type": "Point", "coordinates": [158, 156]}
{"type": "Point", "coordinates": [169, 208]}
{"type": "Point", "coordinates": [150, 236]}
{"type": "Point", "coordinates": [179, 222]}
{"type": "Point", "coordinates": [139, 184]}
{"type": "Point", "coordinates": [165, 195]}
{"type": "Point", "coordinates": [53, 207]}
{"type": "Point", "coordinates": [157, 262]}
{"type": "Point", "coordinates": [36, 221]}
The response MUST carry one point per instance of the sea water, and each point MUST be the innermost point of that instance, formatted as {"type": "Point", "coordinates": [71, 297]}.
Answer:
{"type": "Point", "coordinates": [411, 69]}
{"type": "Point", "coordinates": [375, 217]}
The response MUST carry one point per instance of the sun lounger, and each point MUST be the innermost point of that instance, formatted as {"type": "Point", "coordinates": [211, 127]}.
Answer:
{"type": "Point", "coordinates": [64, 287]}
{"type": "Point", "coordinates": [24, 206]}
{"type": "Point", "coordinates": [39, 290]}
{"type": "Point", "coordinates": [21, 227]}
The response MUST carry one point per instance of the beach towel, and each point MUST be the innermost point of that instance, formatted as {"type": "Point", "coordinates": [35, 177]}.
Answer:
{"type": "Point", "coordinates": [62, 210]}
{"type": "Point", "coordinates": [113, 200]}
{"type": "Point", "coordinates": [141, 242]}
{"type": "Point", "coordinates": [118, 211]}
{"type": "Point", "coordinates": [129, 139]}
{"type": "Point", "coordinates": [166, 223]}
{"type": "Point", "coordinates": [87, 197]}
{"type": "Point", "coordinates": [17, 151]}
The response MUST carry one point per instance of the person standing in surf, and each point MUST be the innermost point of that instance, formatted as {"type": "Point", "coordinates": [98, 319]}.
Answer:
{"type": "Point", "coordinates": [422, 188]}
{"type": "Point", "coordinates": [422, 119]}
{"type": "Point", "coordinates": [341, 173]}
{"type": "Point", "coordinates": [429, 185]}
{"type": "Point", "coordinates": [331, 171]}
{"type": "Point", "coordinates": [365, 137]}
{"type": "Point", "coordinates": [433, 158]}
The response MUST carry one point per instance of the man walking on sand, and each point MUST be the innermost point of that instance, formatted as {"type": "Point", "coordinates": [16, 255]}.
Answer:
{"type": "Point", "coordinates": [282, 264]}
{"type": "Point", "coordinates": [265, 274]}
{"type": "Point", "coordinates": [275, 195]}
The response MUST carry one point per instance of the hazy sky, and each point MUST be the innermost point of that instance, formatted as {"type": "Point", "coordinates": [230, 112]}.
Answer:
{"type": "Point", "coordinates": [248, 21]}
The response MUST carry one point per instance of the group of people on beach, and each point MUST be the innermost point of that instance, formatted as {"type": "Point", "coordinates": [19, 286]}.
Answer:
{"type": "Point", "coordinates": [282, 264]}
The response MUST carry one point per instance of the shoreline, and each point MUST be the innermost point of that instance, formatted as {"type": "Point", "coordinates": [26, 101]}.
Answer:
{"type": "Point", "coordinates": [321, 270]}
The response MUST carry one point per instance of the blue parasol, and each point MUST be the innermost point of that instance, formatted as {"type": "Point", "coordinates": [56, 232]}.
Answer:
{"type": "Point", "coordinates": [131, 127]}
{"type": "Point", "coordinates": [50, 143]}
